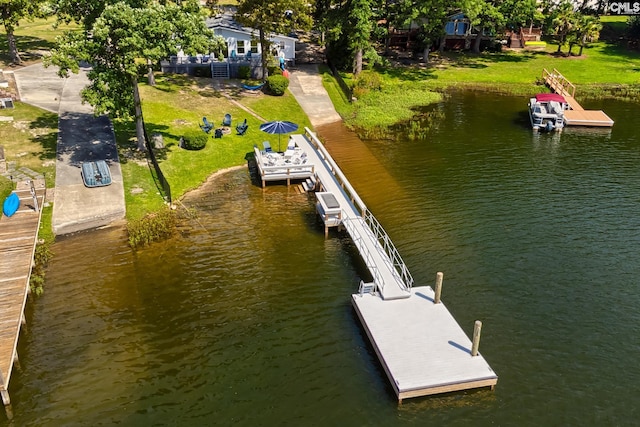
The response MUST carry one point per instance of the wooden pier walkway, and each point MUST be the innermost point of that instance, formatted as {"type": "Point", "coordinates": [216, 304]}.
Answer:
{"type": "Point", "coordinates": [576, 116]}
{"type": "Point", "coordinates": [18, 235]}
{"type": "Point", "coordinates": [418, 342]}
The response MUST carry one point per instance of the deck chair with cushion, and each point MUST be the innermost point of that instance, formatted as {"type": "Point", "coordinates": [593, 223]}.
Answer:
{"type": "Point", "coordinates": [267, 147]}
{"type": "Point", "coordinates": [206, 126]}
{"type": "Point", "coordinates": [227, 120]}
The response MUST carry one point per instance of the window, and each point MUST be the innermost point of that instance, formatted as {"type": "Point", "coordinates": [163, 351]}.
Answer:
{"type": "Point", "coordinates": [240, 47]}
{"type": "Point", "coordinates": [254, 46]}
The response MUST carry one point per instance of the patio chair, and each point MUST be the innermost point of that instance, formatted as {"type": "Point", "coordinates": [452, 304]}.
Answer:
{"type": "Point", "coordinates": [217, 133]}
{"type": "Point", "coordinates": [242, 127]}
{"type": "Point", "coordinates": [267, 147]}
{"type": "Point", "coordinates": [227, 120]}
{"type": "Point", "coordinates": [206, 126]}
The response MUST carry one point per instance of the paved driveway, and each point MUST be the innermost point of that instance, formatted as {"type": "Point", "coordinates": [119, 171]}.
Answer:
{"type": "Point", "coordinates": [81, 138]}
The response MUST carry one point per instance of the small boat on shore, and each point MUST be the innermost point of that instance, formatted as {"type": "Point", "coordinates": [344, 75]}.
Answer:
{"type": "Point", "coordinates": [96, 174]}
{"type": "Point", "coordinates": [546, 111]}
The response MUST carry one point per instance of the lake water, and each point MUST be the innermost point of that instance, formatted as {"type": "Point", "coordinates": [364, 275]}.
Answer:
{"type": "Point", "coordinates": [244, 317]}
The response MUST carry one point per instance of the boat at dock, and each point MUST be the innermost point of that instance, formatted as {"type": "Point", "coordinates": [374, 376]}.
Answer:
{"type": "Point", "coordinates": [546, 111]}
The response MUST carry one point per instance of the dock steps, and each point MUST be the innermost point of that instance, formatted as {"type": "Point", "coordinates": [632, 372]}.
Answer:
{"type": "Point", "coordinates": [310, 184]}
{"type": "Point", "coordinates": [366, 288]}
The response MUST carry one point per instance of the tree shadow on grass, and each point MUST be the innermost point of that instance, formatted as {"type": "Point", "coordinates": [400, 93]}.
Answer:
{"type": "Point", "coordinates": [48, 140]}
{"type": "Point", "coordinates": [162, 130]}
{"type": "Point", "coordinates": [30, 48]}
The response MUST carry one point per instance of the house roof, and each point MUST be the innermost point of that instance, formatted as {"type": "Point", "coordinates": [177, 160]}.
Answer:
{"type": "Point", "coordinates": [225, 21]}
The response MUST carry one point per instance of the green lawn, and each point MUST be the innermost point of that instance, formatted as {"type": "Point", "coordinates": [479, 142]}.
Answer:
{"type": "Point", "coordinates": [30, 139]}
{"type": "Point", "coordinates": [33, 38]}
{"type": "Point", "coordinates": [177, 105]}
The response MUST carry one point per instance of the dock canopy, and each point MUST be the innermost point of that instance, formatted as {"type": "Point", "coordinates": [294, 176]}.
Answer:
{"type": "Point", "coordinates": [547, 97]}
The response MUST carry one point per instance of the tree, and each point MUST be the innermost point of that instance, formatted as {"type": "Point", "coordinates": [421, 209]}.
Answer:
{"type": "Point", "coordinates": [588, 30]}
{"type": "Point", "coordinates": [432, 16]}
{"type": "Point", "coordinates": [273, 16]}
{"type": "Point", "coordinates": [484, 16]}
{"type": "Point", "coordinates": [562, 21]}
{"type": "Point", "coordinates": [85, 12]}
{"type": "Point", "coordinates": [519, 13]}
{"type": "Point", "coordinates": [12, 12]}
{"type": "Point", "coordinates": [359, 28]}
{"type": "Point", "coordinates": [122, 38]}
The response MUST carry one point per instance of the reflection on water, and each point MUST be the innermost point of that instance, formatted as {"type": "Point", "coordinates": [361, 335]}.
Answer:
{"type": "Point", "coordinates": [244, 316]}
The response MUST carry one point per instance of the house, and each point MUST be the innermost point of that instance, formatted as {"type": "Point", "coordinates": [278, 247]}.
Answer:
{"type": "Point", "coordinates": [459, 32]}
{"type": "Point", "coordinates": [242, 49]}
{"type": "Point", "coordinates": [242, 42]}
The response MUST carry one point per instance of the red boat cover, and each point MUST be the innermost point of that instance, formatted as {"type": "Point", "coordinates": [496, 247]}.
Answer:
{"type": "Point", "coordinates": [546, 97]}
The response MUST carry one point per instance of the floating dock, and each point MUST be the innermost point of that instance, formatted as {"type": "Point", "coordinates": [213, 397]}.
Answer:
{"type": "Point", "coordinates": [18, 235]}
{"type": "Point", "coordinates": [419, 344]}
{"type": "Point", "coordinates": [576, 116]}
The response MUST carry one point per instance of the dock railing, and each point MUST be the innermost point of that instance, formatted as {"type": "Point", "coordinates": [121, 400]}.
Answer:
{"type": "Point", "coordinates": [358, 240]}
{"type": "Point", "coordinates": [558, 82]}
{"type": "Point", "coordinates": [375, 227]}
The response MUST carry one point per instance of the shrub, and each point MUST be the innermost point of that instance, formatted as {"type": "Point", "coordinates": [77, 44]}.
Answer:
{"type": "Point", "coordinates": [368, 80]}
{"type": "Point", "coordinates": [194, 141]}
{"type": "Point", "coordinates": [278, 84]}
{"type": "Point", "coordinates": [244, 72]}
{"type": "Point", "coordinates": [151, 228]}
{"type": "Point", "coordinates": [274, 70]}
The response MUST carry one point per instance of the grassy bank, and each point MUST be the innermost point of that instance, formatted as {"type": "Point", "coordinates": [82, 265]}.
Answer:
{"type": "Point", "coordinates": [33, 38]}
{"type": "Point", "coordinates": [175, 106]}
{"type": "Point", "coordinates": [603, 70]}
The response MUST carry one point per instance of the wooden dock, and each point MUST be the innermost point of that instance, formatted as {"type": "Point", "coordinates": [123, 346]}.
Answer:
{"type": "Point", "coordinates": [576, 116]}
{"type": "Point", "coordinates": [18, 237]}
{"type": "Point", "coordinates": [418, 342]}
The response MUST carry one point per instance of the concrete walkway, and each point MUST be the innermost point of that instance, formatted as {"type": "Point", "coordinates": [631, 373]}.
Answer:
{"type": "Point", "coordinates": [81, 138]}
{"type": "Point", "coordinates": [305, 83]}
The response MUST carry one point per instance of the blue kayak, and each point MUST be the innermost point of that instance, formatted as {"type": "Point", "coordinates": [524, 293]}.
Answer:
{"type": "Point", "coordinates": [11, 204]}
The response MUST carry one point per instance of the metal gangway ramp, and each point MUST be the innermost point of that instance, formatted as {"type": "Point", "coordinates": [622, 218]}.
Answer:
{"type": "Point", "coordinates": [391, 277]}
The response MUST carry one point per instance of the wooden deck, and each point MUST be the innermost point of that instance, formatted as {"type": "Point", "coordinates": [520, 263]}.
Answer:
{"type": "Point", "coordinates": [587, 118]}
{"type": "Point", "coordinates": [577, 116]}
{"type": "Point", "coordinates": [418, 342]}
{"type": "Point", "coordinates": [17, 245]}
{"type": "Point", "coordinates": [420, 346]}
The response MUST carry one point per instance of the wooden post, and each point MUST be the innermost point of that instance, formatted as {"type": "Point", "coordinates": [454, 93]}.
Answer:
{"type": "Point", "coordinates": [3, 391]}
{"type": "Point", "coordinates": [32, 189]}
{"type": "Point", "coordinates": [439, 276]}
{"type": "Point", "coordinates": [476, 338]}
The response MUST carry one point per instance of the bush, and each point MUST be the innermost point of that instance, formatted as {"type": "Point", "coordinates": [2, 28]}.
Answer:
{"type": "Point", "coordinates": [277, 84]}
{"type": "Point", "coordinates": [274, 70]}
{"type": "Point", "coordinates": [368, 80]}
{"type": "Point", "coordinates": [365, 82]}
{"type": "Point", "coordinates": [244, 72]}
{"type": "Point", "coordinates": [194, 141]}
{"type": "Point", "coordinates": [152, 228]}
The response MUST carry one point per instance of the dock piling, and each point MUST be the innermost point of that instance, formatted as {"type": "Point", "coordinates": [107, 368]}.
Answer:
{"type": "Point", "coordinates": [436, 298]}
{"type": "Point", "coordinates": [477, 328]}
